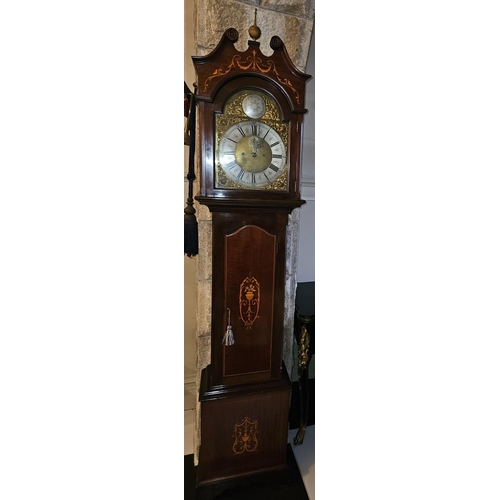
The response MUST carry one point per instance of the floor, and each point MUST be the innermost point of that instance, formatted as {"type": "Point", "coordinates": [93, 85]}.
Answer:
{"type": "Point", "coordinates": [304, 453]}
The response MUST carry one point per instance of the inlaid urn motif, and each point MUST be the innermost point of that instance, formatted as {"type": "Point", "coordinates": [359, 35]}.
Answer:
{"type": "Point", "coordinates": [249, 301]}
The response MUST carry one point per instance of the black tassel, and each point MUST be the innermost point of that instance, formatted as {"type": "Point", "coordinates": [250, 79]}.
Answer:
{"type": "Point", "coordinates": [190, 222]}
{"type": "Point", "coordinates": [190, 230]}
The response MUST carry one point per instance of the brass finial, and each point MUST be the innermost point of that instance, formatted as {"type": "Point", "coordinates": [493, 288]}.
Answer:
{"type": "Point", "coordinates": [254, 30]}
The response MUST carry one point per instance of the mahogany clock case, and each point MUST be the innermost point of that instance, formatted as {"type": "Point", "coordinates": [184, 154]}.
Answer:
{"type": "Point", "coordinates": [246, 384]}
{"type": "Point", "coordinates": [245, 391]}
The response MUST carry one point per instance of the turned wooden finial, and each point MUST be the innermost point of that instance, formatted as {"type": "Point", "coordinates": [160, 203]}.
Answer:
{"type": "Point", "coordinates": [254, 30]}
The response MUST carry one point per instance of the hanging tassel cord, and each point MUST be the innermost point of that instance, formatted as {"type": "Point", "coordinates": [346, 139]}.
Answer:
{"type": "Point", "coordinates": [228, 338]}
{"type": "Point", "coordinates": [190, 222]}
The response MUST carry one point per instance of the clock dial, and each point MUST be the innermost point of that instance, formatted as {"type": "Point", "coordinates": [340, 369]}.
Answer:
{"type": "Point", "coordinates": [253, 106]}
{"type": "Point", "coordinates": [252, 154]}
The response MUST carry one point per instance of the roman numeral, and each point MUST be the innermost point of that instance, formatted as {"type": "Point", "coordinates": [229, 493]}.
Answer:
{"type": "Point", "coordinates": [241, 174]}
{"type": "Point", "coordinates": [253, 178]}
{"type": "Point", "coordinates": [228, 153]}
{"type": "Point", "coordinates": [274, 167]}
{"type": "Point", "coordinates": [255, 129]}
{"type": "Point", "coordinates": [240, 130]}
{"type": "Point", "coordinates": [274, 144]}
{"type": "Point", "coordinates": [232, 164]}
{"type": "Point", "coordinates": [278, 156]}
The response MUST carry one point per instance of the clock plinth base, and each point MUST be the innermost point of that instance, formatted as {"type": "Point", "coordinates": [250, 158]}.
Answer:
{"type": "Point", "coordinates": [244, 434]}
{"type": "Point", "coordinates": [277, 478]}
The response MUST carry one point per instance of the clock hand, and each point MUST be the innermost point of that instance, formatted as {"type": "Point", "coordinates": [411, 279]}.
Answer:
{"type": "Point", "coordinates": [255, 144]}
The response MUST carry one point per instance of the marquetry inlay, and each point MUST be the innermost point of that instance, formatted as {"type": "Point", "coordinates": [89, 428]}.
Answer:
{"type": "Point", "coordinates": [251, 63]}
{"type": "Point", "coordinates": [249, 301]}
{"type": "Point", "coordinates": [245, 436]}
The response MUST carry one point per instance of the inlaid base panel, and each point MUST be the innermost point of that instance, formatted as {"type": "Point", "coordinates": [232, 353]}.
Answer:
{"type": "Point", "coordinates": [244, 433]}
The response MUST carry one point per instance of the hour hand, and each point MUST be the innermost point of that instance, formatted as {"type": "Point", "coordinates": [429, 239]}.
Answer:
{"type": "Point", "coordinates": [255, 144]}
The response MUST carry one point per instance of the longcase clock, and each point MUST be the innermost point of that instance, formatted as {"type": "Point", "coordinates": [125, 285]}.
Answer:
{"type": "Point", "coordinates": [251, 110]}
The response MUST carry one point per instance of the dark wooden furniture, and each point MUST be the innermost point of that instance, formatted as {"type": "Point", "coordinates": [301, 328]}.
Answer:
{"type": "Point", "coordinates": [304, 334]}
{"type": "Point", "coordinates": [245, 390]}
{"type": "Point", "coordinates": [267, 488]}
